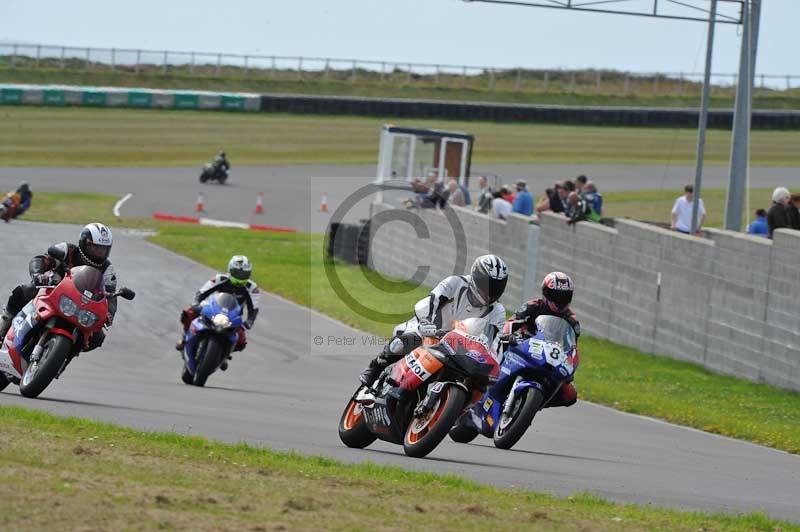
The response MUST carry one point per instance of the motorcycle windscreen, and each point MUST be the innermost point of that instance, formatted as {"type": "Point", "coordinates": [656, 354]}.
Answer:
{"type": "Point", "coordinates": [89, 282]}
{"type": "Point", "coordinates": [556, 330]}
{"type": "Point", "coordinates": [226, 301]}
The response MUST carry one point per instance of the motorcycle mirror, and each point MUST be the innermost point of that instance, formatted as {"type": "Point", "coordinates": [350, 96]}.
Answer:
{"type": "Point", "coordinates": [126, 293]}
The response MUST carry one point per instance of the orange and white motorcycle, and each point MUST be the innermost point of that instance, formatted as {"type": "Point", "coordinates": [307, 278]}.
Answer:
{"type": "Point", "coordinates": [416, 400]}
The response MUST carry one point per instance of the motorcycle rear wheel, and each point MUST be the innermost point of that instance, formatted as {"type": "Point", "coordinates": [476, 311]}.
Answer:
{"type": "Point", "coordinates": [353, 429]}
{"type": "Point", "coordinates": [212, 350]}
{"type": "Point", "coordinates": [424, 434]}
{"type": "Point", "coordinates": [509, 431]}
{"type": "Point", "coordinates": [203, 177]}
{"type": "Point", "coordinates": [38, 376]}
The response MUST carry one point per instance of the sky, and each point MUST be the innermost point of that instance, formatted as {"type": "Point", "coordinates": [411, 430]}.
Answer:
{"type": "Point", "coordinates": [427, 31]}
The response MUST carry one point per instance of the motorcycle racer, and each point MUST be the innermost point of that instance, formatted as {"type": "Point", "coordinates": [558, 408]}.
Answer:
{"type": "Point", "coordinates": [455, 298]}
{"type": "Point", "coordinates": [557, 290]}
{"type": "Point", "coordinates": [93, 249]}
{"type": "Point", "coordinates": [238, 283]}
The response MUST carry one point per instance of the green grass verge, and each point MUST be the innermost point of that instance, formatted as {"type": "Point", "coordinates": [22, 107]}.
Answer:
{"type": "Point", "coordinates": [558, 92]}
{"type": "Point", "coordinates": [76, 474]}
{"type": "Point", "coordinates": [38, 136]}
{"type": "Point", "coordinates": [292, 266]}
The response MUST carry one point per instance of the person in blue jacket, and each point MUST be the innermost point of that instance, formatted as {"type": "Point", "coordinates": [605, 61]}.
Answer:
{"type": "Point", "coordinates": [523, 201]}
{"type": "Point", "coordinates": [759, 225]}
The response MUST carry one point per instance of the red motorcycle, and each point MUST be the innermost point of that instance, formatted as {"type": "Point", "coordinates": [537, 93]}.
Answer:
{"type": "Point", "coordinates": [416, 401]}
{"type": "Point", "coordinates": [9, 206]}
{"type": "Point", "coordinates": [54, 328]}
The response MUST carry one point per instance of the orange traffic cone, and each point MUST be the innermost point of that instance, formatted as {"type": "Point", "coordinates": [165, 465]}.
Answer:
{"type": "Point", "coordinates": [323, 204]}
{"type": "Point", "coordinates": [259, 204]}
{"type": "Point", "coordinates": [199, 205]}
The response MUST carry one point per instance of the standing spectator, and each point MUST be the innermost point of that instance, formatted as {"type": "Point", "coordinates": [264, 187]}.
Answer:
{"type": "Point", "coordinates": [593, 197]}
{"type": "Point", "coordinates": [501, 207]}
{"type": "Point", "coordinates": [759, 225]}
{"type": "Point", "coordinates": [558, 198]}
{"type": "Point", "coordinates": [581, 210]}
{"type": "Point", "coordinates": [454, 194]}
{"type": "Point", "coordinates": [580, 184]}
{"type": "Point", "coordinates": [792, 212]}
{"type": "Point", "coordinates": [484, 195]}
{"type": "Point", "coordinates": [523, 203]}
{"type": "Point", "coordinates": [544, 202]}
{"type": "Point", "coordinates": [505, 190]}
{"type": "Point", "coordinates": [776, 215]}
{"type": "Point", "coordinates": [682, 212]}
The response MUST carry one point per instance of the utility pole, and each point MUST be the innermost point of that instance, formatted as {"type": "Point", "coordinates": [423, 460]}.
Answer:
{"type": "Point", "coordinates": [740, 141]}
{"type": "Point", "coordinates": [703, 119]}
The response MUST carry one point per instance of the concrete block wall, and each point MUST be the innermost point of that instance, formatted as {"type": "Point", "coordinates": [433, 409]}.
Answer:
{"type": "Point", "coordinates": [397, 251]}
{"type": "Point", "coordinates": [730, 302]}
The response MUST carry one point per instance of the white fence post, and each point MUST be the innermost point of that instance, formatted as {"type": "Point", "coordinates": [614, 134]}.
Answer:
{"type": "Point", "coordinates": [219, 64]}
{"type": "Point", "coordinates": [113, 59]}
{"type": "Point", "coordinates": [138, 61]}
{"type": "Point", "coordinates": [164, 66]}
{"type": "Point", "coordinates": [38, 54]}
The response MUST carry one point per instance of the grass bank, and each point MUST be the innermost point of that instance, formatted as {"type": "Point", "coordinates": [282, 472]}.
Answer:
{"type": "Point", "coordinates": [31, 136]}
{"type": "Point", "coordinates": [530, 89]}
{"type": "Point", "coordinates": [292, 265]}
{"type": "Point", "coordinates": [90, 475]}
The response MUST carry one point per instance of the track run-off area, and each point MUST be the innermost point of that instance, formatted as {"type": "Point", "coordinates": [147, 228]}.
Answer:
{"type": "Point", "coordinates": [287, 390]}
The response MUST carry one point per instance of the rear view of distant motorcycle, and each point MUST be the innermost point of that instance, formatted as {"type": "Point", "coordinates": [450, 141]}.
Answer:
{"type": "Point", "coordinates": [217, 170]}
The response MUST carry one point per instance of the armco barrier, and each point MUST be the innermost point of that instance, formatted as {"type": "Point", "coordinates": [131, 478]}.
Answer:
{"type": "Point", "coordinates": [728, 302]}
{"type": "Point", "coordinates": [558, 114]}
{"type": "Point", "coordinates": [58, 95]}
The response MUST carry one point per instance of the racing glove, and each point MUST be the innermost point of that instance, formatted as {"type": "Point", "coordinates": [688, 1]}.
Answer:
{"type": "Point", "coordinates": [248, 325]}
{"type": "Point", "coordinates": [427, 329]}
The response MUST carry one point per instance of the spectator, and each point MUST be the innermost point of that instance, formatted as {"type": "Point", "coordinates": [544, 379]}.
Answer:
{"type": "Point", "coordinates": [501, 207]}
{"type": "Point", "coordinates": [523, 203]}
{"type": "Point", "coordinates": [595, 199]}
{"type": "Point", "coordinates": [454, 194]}
{"type": "Point", "coordinates": [430, 193]}
{"type": "Point", "coordinates": [682, 212]}
{"type": "Point", "coordinates": [759, 225]}
{"type": "Point", "coordinates": [776, 215]}
{"type": "Point", "coordinates": [558, 198]}
{"type": "Point", "coordinates": [507, 194]}
{"type": "Point", "coordinates": [484, 195]}
{"type": "Point", "coordinates": [580, 184]}
{"type": "Point", "coordinates": [792, 212]}
{"type": "Point", "coordinates": [570, 186]}
{"type": "Point", "coordinates": [581, 210]}
{"type": "Point", "coordinates": [544, 202]}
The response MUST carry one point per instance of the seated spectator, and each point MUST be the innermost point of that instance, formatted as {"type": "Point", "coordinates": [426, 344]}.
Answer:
{"type": "Point", "coordinates": [581, 210]}
{"type": "Point", "coordinates": [776, 215]}
{"type": "Point", "coordinates": [454, 194]}
{"type": "Point", "coordinates": [682, 212]}
{"type": "Point", "coordinates": [523, 203]}
{"type": "Point", "coordinates": [759, 225]}
{"type": "Point", "coordinates": [430, 193]}
{"type": "Point", "coordinates": [580, 184]}
{"type": "Point", "coordinates": [792, 212]}
{"type": "Point", "coordinates": [543, 204]}
{"type": "Point", "coordinates": [501, 207]}
{"type": "Point", "coordinates": [484, 195]}
{"type": "Point", "coordinates": [594, 198]}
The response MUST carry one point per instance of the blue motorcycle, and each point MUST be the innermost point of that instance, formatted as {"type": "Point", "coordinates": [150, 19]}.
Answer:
{"type": "Point", "coordinates": [211, 337]}
{"type": "Point", "coordinates": [532, 372]}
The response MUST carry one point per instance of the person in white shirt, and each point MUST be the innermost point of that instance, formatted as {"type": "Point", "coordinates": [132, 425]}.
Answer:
{"type": "Point", "coordinates": [682, 212]}
{"type": "Point", "coordinates": [500, 208]}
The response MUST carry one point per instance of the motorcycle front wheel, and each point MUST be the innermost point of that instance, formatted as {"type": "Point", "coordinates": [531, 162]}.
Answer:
{"type": "Point", "coordinates": [427, 431]}
{"type": "Point", "coordinates": [512, 426]}
{"type": "Point", "coordinates": [40, 374]}
{"type": "Point", "coordinates": [212, 353]}
{"type": "Point", "coordinates": [353, 429]}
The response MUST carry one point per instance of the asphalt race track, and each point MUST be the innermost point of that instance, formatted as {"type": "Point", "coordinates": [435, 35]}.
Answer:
{"type": "Point", "coordinates": [293, 193]}
{"type": "Point", "coordinates": [287, 392]}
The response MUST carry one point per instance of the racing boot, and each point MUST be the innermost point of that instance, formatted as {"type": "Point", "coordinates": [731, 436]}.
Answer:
{"type": "Point", "coordinates": [5, 324]}
{"type": "Point", "coordinates": [390, 353]}
{"type": "Point", "coordinates": [181, 343]}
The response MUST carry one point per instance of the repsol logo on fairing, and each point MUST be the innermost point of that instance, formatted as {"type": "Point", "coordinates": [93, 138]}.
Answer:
{"type": "Point", "coordinates": [418, 369]}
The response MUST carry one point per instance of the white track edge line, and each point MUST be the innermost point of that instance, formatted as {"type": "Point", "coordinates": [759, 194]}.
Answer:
{"type": "Point", "coordinates": [118, 205]}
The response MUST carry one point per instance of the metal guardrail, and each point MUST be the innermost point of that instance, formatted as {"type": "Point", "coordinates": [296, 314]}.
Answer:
{"type": "Point", "coordinates": [141, 61]}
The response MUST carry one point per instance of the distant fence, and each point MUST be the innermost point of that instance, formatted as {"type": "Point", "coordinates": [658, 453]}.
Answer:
{"type": "Point", "coordinates": [58, 95]}
{"type": "Point", "coordinates": [140, 61]}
